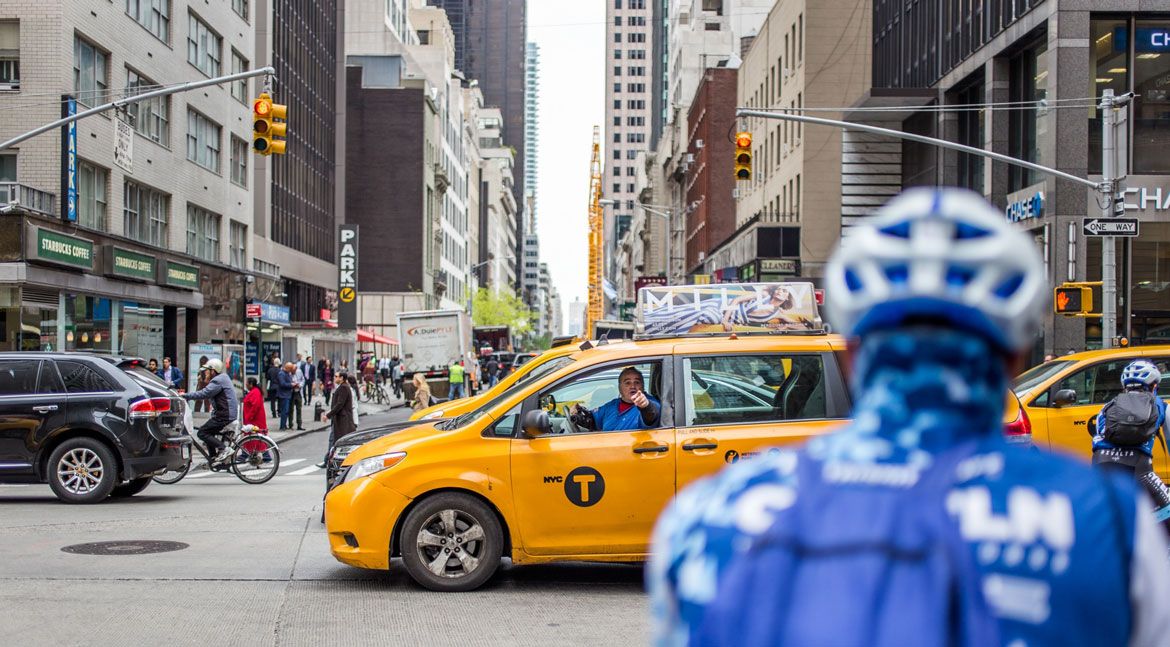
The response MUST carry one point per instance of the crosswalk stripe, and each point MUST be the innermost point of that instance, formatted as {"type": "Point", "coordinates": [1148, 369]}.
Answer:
{"type": "Point", "coordinates": [305, 470]}
{"type": "Point", "coordinates": [292, 461]}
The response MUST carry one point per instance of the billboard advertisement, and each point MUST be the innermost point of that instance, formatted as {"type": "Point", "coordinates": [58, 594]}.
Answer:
{"type": "Point", "coordinates": [726, 307]}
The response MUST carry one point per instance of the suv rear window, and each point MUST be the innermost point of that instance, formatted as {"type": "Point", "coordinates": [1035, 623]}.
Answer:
{"type": "Point", "coordinates": [145, 378]}
{"type": "Point", "coordinates": [80, 378]}
{"type": "Point", "coordinates": [18, 376]}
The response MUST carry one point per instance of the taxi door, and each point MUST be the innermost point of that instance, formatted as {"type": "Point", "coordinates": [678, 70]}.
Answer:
{"type": "Point", "coordinates": [592, 493]}
{"type": "Point", "coordinates": [733, 407]}
{"type": "Point", "coordinates": [1071, 426]}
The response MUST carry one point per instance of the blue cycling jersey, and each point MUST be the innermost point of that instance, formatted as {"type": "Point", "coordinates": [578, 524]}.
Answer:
{"type": "Point", "coordinates": [1060, 550]}
{"type": "Point", "coordinates": [1147, 447]}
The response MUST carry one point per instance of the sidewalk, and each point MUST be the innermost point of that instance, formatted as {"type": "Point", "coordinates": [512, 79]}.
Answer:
{"type": "Point", "coordinates": [311, 425]}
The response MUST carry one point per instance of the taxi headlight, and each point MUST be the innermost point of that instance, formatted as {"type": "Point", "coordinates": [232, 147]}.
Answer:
{"type": "Point", "coordinates": [438, 413]}
{"type": "Point", "coordinates": [373, 465]}
{"type": "Point", "coordinates": [341, 451]}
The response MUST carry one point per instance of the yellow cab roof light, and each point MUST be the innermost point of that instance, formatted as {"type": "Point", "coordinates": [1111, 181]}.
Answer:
{"type": "Point", "coordinates": [723, 308]}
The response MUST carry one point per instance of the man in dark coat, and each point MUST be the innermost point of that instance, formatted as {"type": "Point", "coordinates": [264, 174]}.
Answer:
{"type": "Point", "coordinates": [273, 376]}
{"type": "Point", "coordinates": [340, 413]}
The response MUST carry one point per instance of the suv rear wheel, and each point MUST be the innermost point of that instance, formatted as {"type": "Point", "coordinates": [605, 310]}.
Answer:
{"type": "Point", "coordinates": [451, 542]}
{"type": "Point", "coordinates": [82, 470]}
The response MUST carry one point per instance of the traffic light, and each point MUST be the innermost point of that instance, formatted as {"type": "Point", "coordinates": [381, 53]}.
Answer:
{"type": "Point", "coordinates": [1072, 300]}
{"type": "Point", "coordinates": [743, 155]}
{"type": "Point", "coordinates": [267, 133]}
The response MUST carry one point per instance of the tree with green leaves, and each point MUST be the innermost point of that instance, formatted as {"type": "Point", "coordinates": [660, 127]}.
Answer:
{"type": "Point", "coordinates": [502, 308]}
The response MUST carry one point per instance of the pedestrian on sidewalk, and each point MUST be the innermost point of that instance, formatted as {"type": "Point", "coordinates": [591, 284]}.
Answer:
{"type": "Point", "coordinates": [493, 371]}
{"type": "Point", "coordinates": [321, 377]}
{"type": "Point", "coordinates": [273, 377]}
{"type": "Point", "coordinates": [284, 391]}
{"type": "Point", "coordinates": [171, 374]}
{"type": "Point", "coordinates": [340, 414]}
{"type": "Point", "coordinates": [327, 376]}
{"type": "Point", "coordinates": [353, 388]}
{"type": "Point", "coordinates": [201, 380]}
{"type": "Point", "coordinates": [396, 376]}
{"type": "Point", "coordinates": [310, 374]}
{"type": "Point", "coordinates": [422, 392]}
{"type": "Point", "coordinates": [298, 378]}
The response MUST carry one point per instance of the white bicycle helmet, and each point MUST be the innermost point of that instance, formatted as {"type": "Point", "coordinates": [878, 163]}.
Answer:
{"type": "Point", "coordinates": [1141, 373]}
{"type": "Point", "coordinates": [214, 365]}
{"type": "Point", "coordinates": [940, 255]}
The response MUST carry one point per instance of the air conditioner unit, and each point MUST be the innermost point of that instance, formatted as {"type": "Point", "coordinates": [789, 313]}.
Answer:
{"type": "Point", "coordinates": [689, 158]}
{"type": "Point", "coordinates": [698, 143]}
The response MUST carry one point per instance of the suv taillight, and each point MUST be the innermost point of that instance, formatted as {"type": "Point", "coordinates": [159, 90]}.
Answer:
{"type": "Point", "coordinates": [150, 407]}
{"type": "Point", "coordinates": [1018, 430]}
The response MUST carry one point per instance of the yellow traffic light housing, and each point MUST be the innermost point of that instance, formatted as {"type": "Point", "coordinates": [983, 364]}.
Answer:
{"type": "Point", "coordinates": [743, 155]}
{"type": "Point", "coordinates": [1072, 300]}
{"type": "Point", "coordinates": [267, 133]}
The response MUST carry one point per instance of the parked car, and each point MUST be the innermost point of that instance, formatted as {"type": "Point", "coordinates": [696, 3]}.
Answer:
{"type": "Point", "coordinates": [522, 359]}
{"type": "Point", "coordinates": [90, 426]}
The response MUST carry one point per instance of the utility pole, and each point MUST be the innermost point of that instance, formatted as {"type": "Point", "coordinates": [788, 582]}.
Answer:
{"type": "Point", "coordinates": [1110, 190]}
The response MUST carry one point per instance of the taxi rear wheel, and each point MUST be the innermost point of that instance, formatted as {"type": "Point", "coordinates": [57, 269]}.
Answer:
{"type": "Point", "coordinates": [451, 542]}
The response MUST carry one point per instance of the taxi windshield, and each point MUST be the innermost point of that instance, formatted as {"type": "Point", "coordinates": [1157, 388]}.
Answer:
{"type": "Point", "coordinates": [1032, 377]}
{"type": "Point", "coordinates": [536, 373]}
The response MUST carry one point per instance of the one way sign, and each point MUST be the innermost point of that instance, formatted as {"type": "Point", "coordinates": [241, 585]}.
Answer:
{"type": "Point", "coordinates": [1110, 226]}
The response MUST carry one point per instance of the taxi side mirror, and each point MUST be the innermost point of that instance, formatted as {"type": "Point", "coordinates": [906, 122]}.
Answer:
{"type": "Point", "coordinates": [1064, 397]}
{"type": "Point", "coordinates": [535, 423]}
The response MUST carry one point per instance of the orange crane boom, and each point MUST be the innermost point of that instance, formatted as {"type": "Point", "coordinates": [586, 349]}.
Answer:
{"type": "Point", "coordinates": [595, 309]}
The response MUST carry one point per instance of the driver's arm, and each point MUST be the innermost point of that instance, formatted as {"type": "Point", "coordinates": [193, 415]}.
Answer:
{"type": "Point", "coordinates": [651, 414]}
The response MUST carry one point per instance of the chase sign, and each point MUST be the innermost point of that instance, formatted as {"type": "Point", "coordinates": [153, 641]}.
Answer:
{"type": "Point", "coordinates": [1026, 206]}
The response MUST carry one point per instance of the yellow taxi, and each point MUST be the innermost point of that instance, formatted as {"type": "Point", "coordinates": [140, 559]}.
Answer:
{"type": "Point", "coordinates": [542, 364]}
{"type": "Point", "coordinates": [520, 477]}
{"type": "Point", "coordinates": [1063, 396]}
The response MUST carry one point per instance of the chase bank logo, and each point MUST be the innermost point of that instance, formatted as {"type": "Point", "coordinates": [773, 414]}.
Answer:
{"type": "Point", "coordinates": [1027, 208]}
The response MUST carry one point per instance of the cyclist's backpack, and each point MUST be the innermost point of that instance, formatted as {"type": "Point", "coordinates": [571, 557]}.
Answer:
{"type": "Point", "coordinates": [855, 565]}
{"type": "Point", "coordinates": [1131, 419]}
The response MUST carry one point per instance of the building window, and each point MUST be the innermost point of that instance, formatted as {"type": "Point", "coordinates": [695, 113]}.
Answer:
{"type": "Point", "coordinates": [617, 54]}
{"type": "Point", "coordinates": [617, 155]}
{"type": "Point", "coordinates": [7, 168]}
{"type": "Point", "coordinates": [970, 133]}
{"type": "Point", "coordinates": [617, 104]}
{"type": "Point", "coordinates": [241, 8]}
{"type": "Point", "coordinates": [617, 21]}
{"type": "Point", "coordinates": [617, 171]}
{"type": "Point", "coordinates": [238, 245]}
{"type": "Point", "coordinates": [617, 188]}
{"type": "Point", "coordinates": [202, 233]}
{"type": "Point", "coordinates": [1027, 128]}
{"type": "Point", "coordinates": [9, 56]}
{"type": "Point", "coordinates": [89, 72]}
{"type": "Point", "coordinates": [155, 15]}
{"type": "Point", "coordinates": [240, 87]}
{"type": "Point", "coordinates": [617, 70]}
{"type": "Point", "coordinates": [144, 214]}
{"type": "Point", "coordinates": [202, 141]}
{"type": "Point", "coordinates": [152, 117]}
{"type": "Point", "coordinates": [617, 37]}
{"type": "Point", "coordinates": [91, 196]}
{"type": "Point", "coordinates": [630, 189]}
{"type": "Point", "coordinates": [630, 171]}
{"type": "Point", "coordinates": [631, 154]}
{"type": "Point", "coordinates": [239, 161]}
{"type": "Point", "coordinates": [204, 46]}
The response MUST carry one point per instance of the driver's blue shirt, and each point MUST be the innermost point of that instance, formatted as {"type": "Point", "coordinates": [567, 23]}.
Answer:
{"type": "Point", "coordinates": [609, 417]}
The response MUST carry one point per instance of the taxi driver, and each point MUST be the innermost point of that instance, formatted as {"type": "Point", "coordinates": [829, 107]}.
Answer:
{"type": "Point", "coordinates": [632, 409]}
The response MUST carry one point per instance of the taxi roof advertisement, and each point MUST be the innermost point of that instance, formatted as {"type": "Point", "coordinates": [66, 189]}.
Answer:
{"type": "Point", "coordinates": [726, 307]}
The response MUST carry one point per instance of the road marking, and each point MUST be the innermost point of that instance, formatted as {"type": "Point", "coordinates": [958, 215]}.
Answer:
{"type": "Point", "coordinates": [305, 470]}
{"type": "Point", "coordinates": [292, 461]}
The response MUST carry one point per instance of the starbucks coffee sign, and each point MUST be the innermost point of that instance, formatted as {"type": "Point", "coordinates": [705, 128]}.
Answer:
{"type": "Point", "coordinates": [59, 249]}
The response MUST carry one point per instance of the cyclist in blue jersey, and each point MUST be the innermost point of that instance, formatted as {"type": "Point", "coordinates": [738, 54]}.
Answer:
{"type": "Point", "coordinates": [1112, 451]}
{"type": "Point", "coordinates": [917, 524]}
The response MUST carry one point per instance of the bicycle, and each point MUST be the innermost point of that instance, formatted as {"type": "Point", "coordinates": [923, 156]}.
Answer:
{"type": "Point", "coordinates": [247, 459]}
{"type": "Point", "coordinates": [375, 391]}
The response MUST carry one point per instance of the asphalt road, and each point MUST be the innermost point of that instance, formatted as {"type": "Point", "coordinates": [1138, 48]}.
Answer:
{"type": "Point", "coordinates": [257, 569]}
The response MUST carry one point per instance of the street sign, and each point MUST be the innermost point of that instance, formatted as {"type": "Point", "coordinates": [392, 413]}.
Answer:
{"type": "Point", "coordinates": [347, 276]}
{"type": "Point", "coordinates": [1110, 226]}
{"type": "Point", "coordinates": [123, 144]}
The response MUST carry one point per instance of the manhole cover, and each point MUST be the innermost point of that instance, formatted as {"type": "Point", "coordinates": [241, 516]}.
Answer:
{"type": "Point", "coordinates": [135, 547]}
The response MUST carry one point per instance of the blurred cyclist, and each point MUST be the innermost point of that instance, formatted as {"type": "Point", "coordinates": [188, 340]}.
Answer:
{"type": "Point", "coordinates": [917, 524]}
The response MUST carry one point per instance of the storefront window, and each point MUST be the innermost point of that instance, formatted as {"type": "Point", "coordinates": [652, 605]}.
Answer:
{"type": "Point", "coordinates": [38, 328]}
{"type": "Point", "coordinates": [140, 330]}
{"type": "Point", "coordinates": [1151, 83]}
{"type": "Point", "coordinates": [87, 323]}
{"type": "Point", "coordinates": [9, 319]}
{"type": "Point", "coordinates": [1029, 82]}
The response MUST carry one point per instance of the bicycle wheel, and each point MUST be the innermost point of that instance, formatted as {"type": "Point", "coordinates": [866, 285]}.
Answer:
{"type": "Point", "coordinates": [256, 459]}
{"type": "Point", "coordinates": [173, 476]}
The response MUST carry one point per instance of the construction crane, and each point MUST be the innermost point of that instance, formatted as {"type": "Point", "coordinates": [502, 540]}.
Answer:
{"type": "Point", "coordinates": [596, 306]}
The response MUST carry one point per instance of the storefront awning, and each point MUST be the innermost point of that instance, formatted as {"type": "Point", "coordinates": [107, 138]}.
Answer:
{"type": "Point", "coordinates": [371, 337]}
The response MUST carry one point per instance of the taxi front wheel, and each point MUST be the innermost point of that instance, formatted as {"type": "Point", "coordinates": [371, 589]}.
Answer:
{"type": "Point", "coordinates": [451, 542]}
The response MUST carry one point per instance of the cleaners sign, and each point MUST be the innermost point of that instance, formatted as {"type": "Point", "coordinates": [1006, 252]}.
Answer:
{"type": "Point", "coordinates": [347, 277]}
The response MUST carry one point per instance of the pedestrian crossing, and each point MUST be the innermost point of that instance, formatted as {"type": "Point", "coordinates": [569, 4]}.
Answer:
{"type": "Point", "coordinates": [310, 470]}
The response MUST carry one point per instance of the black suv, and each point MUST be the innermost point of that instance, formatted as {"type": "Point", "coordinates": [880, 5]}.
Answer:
{"type": "Point", "coordinates": [91, 426]}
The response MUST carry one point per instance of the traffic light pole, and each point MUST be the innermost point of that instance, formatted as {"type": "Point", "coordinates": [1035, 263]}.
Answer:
{"type": "Point", "coordinates": [162, 92]}
{"type": "Point", "coordinates": [1110, 190]}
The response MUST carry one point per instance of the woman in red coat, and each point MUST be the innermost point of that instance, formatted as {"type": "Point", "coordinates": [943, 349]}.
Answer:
{"type": "Point", "coordinates": [254, 412]}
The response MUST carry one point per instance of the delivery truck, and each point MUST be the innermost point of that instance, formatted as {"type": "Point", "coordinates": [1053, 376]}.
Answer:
{"type": "Point", "coordinates": [430, 340]}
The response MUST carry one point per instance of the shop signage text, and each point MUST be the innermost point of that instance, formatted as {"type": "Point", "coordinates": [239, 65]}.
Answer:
{"type": "Point", "coordinates": [123, 144]}
{"type": "Point", "coordinates": [128, 264]}
{"type": "Point", "coordinates": [66, 250]}
{"type": "Point", "coordinates": [269, 313]}
{"type": "Point", "coordinates": [178, 275]}
{"type": "Point", "coordinates": [347, 277]}
{"type": "Point", "coordinates": [69, 159]}
{"type": "Point", "coordinates": [779, 266]}
{"type": "Point", "coordinates": [1154, 199]}
{"type": "Point", "coordinates": [1149, 39]}
{"type": "Point", "coordinates": [1024, 205]}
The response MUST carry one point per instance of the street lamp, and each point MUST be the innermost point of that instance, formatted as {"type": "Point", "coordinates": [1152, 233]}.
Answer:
{"type": "Point", "coordinates": [664, 212]}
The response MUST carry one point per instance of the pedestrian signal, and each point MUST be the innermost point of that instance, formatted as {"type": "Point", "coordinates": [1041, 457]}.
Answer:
{"type": "Point", "coordinates": [743, 155]}
{"type": "Point", "coordinates": [1072, 300]}
{"type": "Point", "coordinates": [267, 133]}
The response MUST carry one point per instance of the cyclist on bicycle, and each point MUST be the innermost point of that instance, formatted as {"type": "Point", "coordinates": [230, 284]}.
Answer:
{"type": "Point", "coordinates": [917, 524]}
{"type": "Point", "coordinates": [225, 406]}
{"type": "Point", "coordinates": [1127, 426]}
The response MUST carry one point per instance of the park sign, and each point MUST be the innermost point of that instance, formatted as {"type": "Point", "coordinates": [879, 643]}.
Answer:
{"type": "Point", "coordinates": [59, 249]}
{"type": "Point", "coordinates": [347, 277]}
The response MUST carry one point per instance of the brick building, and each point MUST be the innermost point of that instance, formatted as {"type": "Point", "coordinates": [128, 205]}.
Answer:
{"type": "Point", "coordinates": [709, 184]}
